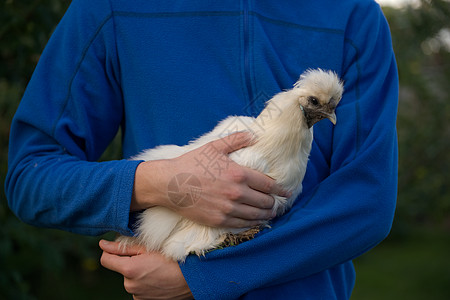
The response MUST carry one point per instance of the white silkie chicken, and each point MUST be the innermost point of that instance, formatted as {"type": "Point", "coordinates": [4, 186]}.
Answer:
{"type": "Point", "coordinates": [282, 143]}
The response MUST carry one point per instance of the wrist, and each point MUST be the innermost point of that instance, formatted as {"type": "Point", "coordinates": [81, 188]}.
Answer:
{"type": "Point", "coordinates": [149, 185]}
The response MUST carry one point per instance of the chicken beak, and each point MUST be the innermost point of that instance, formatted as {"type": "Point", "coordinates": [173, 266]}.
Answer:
{"type": "Point", "coordinates": [312, 117]}
{"type": "Point", "coordinates": [332, 117]}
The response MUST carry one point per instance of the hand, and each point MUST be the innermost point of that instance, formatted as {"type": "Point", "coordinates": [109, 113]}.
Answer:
{"type": "Point", "coordinates": [146, 275]}
{"type": "Point", "coordinates": [222, 193]}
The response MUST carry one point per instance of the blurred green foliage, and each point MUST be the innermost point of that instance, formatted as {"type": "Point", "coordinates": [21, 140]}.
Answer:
{"type": "Point", "coordinates": [421, 38]}
{"type": "Point", "coordinates": [50, 264]}
{"type": "Point", "coordinates": [26, 27]}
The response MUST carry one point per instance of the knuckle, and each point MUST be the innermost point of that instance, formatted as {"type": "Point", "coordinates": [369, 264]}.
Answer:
{"type": "Point", "coordinates": [220, 220]}
{"type": "Point", "coordinates": [129, 286]}
{"type": "Point", "coordinates": [234, 193]}
{"type": "Point", "coordinates": [128, 272]}
{"type": "Point", "coordinates": [238, 175]}
{"type": "Point", "coordinates": [269, 185]}
{"type": "Point", "coordinates": [227, 208]}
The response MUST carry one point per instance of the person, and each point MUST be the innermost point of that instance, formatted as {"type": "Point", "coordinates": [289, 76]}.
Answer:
{"type": "Point", "coordinates": [166, 72]}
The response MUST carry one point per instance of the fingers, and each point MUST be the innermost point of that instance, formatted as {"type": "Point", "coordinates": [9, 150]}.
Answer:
{"type": "Point", "coordinates": [114, 248]}
{"type": "Point", "coordinates": [242, 223]}
{"type": "Point", "coordinates": [256, 190]}
{"type": "Point", "coordinates": [263, 183]}
{"type": "Point", "coordinates": [252, 206]}
{"type": "Point", "coordinates": [120, 259]}
{"type": "Point", "coordinates": [116, 263]}
{"type": "Point", "coordinates": [257, 180]}
{"type": "Point", "coordinates": [232, 142]}
{"type": "Point", "coordinates": [111, 247]}
{"type": "Point", "coordinates": [253, 214]}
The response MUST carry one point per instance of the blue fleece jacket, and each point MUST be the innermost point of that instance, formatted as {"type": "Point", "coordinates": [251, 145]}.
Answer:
{"type": "Point", "coordinates": [166, 72]}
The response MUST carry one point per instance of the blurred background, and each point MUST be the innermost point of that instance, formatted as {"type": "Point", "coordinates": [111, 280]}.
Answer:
{"type": "Point", "coordinates": [412, 263]}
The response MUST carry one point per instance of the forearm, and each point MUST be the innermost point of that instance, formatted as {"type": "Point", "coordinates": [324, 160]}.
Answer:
{"type": "Point", "coordinates": [61, 191]}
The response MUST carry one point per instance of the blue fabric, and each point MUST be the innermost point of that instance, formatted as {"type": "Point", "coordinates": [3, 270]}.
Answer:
{"type": "Point", "coordinates": [168, 71]}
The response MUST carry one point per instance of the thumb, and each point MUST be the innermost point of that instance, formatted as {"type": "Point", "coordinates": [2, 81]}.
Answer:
{"type": "Point", "coordinates": [233, 142]}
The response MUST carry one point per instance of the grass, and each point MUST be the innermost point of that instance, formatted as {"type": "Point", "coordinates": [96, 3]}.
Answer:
{"type": "Point", "coordinates": [416, 267]}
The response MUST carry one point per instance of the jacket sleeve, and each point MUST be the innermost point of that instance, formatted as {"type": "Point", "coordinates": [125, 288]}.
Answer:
{"type": "Point", "coordinates": [71, 110]}
{"type": "Point", "coordinates": [351, 209]}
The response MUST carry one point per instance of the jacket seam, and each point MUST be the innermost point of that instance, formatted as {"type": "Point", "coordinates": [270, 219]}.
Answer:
{"type": "Point", "coordinates": [357, 95]}
{"type": "Point", "coordinates": [295, 25]}
{"type": "Point", "coordinates": [225, 14]}
{"type": "Point", "coordinates": [77, 68]}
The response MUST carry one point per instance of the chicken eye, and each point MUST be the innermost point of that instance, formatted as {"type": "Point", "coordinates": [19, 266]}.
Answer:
{"type": "Point", "coordinates": [313, 100]}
